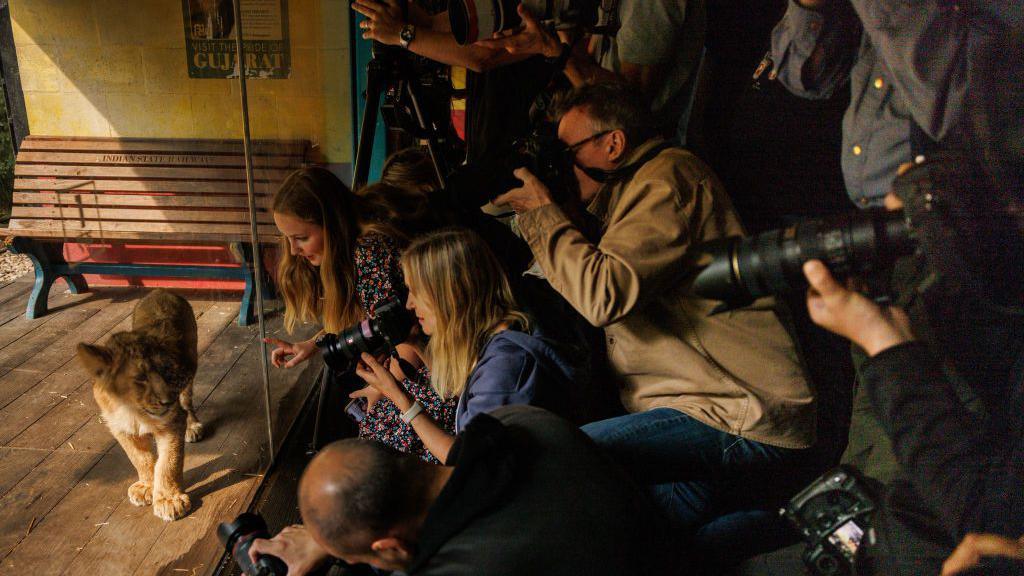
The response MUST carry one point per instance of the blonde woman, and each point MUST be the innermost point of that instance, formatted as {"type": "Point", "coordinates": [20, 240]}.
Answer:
{"type": "Point", "coordinates": [339, 261]}
{"type": "Point", "coordinates": [481, 350]}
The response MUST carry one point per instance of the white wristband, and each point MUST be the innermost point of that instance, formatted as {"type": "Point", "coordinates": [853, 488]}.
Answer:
{"type": "Point", "coordinates": [409, 415]}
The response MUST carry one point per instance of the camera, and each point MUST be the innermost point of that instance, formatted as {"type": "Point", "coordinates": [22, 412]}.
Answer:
{"type": "Point", "coordinates": [738, 270]}
{"type": "Point", "coordinates": [473, 20]}
{"type": "Point", "coordinates": [540, 152]}
{"type": "Point", "coordinates": [238, 535]}
{"type": "Point", "coordinates": [833, 515]}
{"type": "Point", "coordinates": [390, 326]}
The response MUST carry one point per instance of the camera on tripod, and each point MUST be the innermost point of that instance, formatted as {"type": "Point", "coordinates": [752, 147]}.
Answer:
{"type": "Point", "coordinates": [738, 271]}
{"type": "Point", "coordinates": [473, 20]}
{"type": "Point", "coordinates": [389, 327]}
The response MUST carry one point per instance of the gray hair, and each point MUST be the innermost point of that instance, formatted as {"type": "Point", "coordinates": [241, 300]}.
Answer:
{"type": "Point", "coordinates": [612, 106]}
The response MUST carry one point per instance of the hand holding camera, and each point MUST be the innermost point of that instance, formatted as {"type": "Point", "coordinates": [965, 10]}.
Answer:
{"type": "Point", "coordinates": [532, 194]}
{"type": "Point", "coordinates": [379, 378]}
{"type": "Point", "coordinates": [853, 315]}
{"type": "Point", "coordinates": [532, 38]}
{"type": "Point", "coordinates": [294, 546]}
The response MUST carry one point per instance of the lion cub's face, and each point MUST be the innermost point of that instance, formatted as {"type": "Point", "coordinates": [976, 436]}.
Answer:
{"type": "Point", "coordinates": [128, 368]}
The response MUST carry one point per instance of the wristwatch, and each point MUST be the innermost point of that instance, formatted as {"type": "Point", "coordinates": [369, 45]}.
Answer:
{"type": "Point", "coordinates": [409, 415]}
{"type": "Point", "coordinates": [407, 35]}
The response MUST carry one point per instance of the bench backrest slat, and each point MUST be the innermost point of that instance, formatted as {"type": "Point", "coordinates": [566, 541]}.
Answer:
{"type": "Point", "coordinates": [296, 148]}
{"type": "Point", "coordinates": [146, 189]}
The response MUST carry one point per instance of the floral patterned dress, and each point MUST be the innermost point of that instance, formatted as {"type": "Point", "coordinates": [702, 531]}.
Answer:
{"type": "Point", "coordinates": [379, 279]}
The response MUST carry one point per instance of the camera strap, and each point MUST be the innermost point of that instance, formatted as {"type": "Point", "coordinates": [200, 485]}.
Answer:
{"type": "Point", "coordinates": [623, 172]}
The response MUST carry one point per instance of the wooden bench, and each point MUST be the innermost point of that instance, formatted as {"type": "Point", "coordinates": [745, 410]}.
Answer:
{"type": "Point", "coordinates": [142, 191]}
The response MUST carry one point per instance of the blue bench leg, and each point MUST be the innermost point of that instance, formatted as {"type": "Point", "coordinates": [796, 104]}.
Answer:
{"type": "Point", "coordinates": [37, 307]}
{"type": "Point", "coordinates": [48, 262]}
{"type": "Point", "coordinates": [45, 276]}
{"type": "Point", "coordinates": [246, 313]}
{"type": "Point", "coordinates": [76, 283]}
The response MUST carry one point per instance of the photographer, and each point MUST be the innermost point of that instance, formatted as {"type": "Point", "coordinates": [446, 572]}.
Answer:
{"type": "Point", "coordinates": [655, 45]}
{"type": "Point", "coordinates": [961, 471]}
{"type": "Point", "coordinates": [339, 260]}
{"type": "Point", "coordinates": [719, 404]}
{"type": "Point", "coordinates": [481, 350]}
{"type": "Point", "coordinates": [916, 74]}
{"type": "Point", "coordinates": [500, 507]}
{"type": "Point", "coordinates": [500, 87]}
{"type": "Point", "coordinates": [910, 69]}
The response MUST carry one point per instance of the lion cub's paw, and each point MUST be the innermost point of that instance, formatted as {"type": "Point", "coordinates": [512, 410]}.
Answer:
{"type": "Point", "coordinates": [140, 493]}
{"type": "Point", "coordinates": [172, 507]}
{"type": "Point", "coordinates": [194, 432]}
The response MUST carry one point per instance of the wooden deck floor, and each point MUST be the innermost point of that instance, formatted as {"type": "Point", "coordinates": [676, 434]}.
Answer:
{"type": "Point", "coordinates": [64, 480]}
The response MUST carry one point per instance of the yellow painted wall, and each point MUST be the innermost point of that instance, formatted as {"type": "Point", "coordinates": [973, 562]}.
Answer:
{"type": "Point", "coordinates": [118, 68]}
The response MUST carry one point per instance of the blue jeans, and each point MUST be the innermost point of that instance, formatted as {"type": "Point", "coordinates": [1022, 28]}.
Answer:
{"type": "Point", "coordinates": [696, 473]}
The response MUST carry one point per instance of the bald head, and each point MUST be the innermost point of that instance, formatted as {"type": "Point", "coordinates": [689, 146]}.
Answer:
{"type": "Point", "coordinates": [356, 491]}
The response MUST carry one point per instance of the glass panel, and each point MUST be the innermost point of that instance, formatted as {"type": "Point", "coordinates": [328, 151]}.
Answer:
{"type": "Point", "coordinates": [133, 178]}
{"type": "Point", "coordinates": [298, 91]}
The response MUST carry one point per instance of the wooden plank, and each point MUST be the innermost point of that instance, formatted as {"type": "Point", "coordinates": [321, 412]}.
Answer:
{"type": "Point", "coordinates": [12, 293]}
{"type": "Point", "coordinates": [212, 215]}
{"type": "Point", "coordinates": [194, 238]}
{"type": "Point", "coordinates": [185, 173]}
{"type": "Point", "coordinates": [159, 230]}
{"type": "Point", "coordinates": [21, 338]}
{"type": "Point", "coordinates": [166, 201]}
{"type": "Point", "coordinates": [36, 494]}
{"type": "Point", "coordinates": [181, 158]}
{"type": "Point", "coordinates": [85, 510]}
{"type": "Point", "coordinates": [283, 147]}
{"type": "Point", "coordinates": [16, 464]}
{"type": "Point", "coordinates": [68, 185]}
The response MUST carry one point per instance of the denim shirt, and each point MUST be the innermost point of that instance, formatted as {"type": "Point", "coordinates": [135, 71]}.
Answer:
{"type": "Point", "coordinates": [906, 63]}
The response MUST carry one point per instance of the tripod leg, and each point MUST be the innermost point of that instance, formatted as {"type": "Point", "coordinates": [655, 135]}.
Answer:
{"type": "Point", "coordinates": [368, 125]}
{"type": "Point", "coordinates": [430, 129]}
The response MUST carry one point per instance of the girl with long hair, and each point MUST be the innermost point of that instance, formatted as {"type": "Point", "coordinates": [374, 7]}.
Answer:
{"type": "Point", "coordinates": [481, 350]}
{"type": "Point", "coordinates": [339, 261]}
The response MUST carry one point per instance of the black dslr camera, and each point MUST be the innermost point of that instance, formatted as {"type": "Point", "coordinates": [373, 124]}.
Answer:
{"type": "Point", "coordinates": [833, 515]}
{"type": "Point", "coordinates": [540, 152]}
{"type": "Point", "coordinates": [390, 326]}
{"type": "Point", "coordinates": [738, 271]}
{"type": "Point", "coordinates": [237, 536]}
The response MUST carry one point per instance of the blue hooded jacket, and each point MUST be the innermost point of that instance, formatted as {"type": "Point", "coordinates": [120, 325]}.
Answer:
{"type": "Point", "coordinates": [519, 368]}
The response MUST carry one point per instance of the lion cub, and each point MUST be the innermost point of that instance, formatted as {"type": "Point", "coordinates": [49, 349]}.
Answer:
{"type": "Point", "coordinates": [143, 386]}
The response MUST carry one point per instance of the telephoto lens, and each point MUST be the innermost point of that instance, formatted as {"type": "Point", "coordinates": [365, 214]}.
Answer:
{"type": "Point", "coordinates": [740, 270]}
{"type": "Point", "coordinates": [389, 327]}
{"type": "Point", "coordinates": [237, 536]}
{"type": "Point", "coordinates": [473, 20]}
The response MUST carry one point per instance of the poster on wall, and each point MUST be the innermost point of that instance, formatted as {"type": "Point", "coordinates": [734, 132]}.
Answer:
{"type": "Point", "coordinates": [210, 38]}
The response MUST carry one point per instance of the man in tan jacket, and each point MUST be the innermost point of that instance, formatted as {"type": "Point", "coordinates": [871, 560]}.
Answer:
{"type": "Point", "coordinates": [719, 405]}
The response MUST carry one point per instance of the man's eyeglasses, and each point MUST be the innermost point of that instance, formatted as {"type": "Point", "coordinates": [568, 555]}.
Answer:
{"type": "Point", "coordinates": [573, 148]}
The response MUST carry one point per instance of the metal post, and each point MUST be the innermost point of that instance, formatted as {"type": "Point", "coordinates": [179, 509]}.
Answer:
{"type": "Point", "coordinates": [254, 227]}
